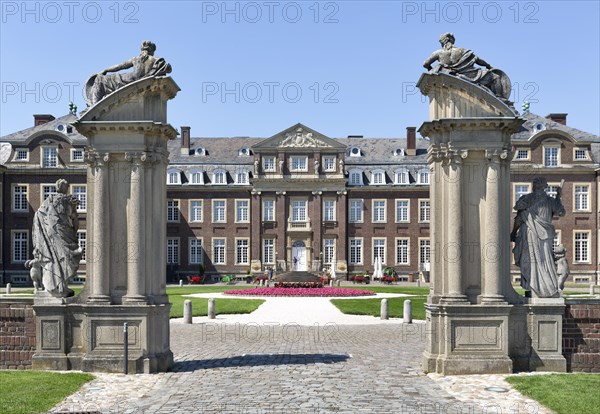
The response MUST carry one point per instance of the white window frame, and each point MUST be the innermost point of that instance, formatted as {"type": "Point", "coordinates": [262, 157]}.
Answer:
{"type": "Point", "coordinates": [328, 250]}
{"type": "Point", "coordinates": [580, 195]}
{"type": "Point", "coordinates": [375, 210]}
{"type": "Point", "coordinates": [173, 176]}
{"type": "Point", "coordinates": [398, 201]}
{"type": "Point", "coordinates": [378, 177]}
{"type": "Point", "coordinates": [173, 210]}
{"type": "Point", "coordinates": [422, 209]}
{"type": "Point", "coordinates": [422, 245]}
{"type": "Point", "coordinates": [192, 176]}
{"type": "Point", "coordinates": [13, 195]}
{"type": "Point", "coordinates": [557, 239]}
{"type": "Point", "coordinates": [423, 172]}
{"type": "Point", "coordinates": [329, 210]}
{"type": "Point", "coordinates": [515, 185]}
{"type": "Point", "coordinates": [293, 202]}
{"type": "Point", "coordinates": [518, 150]}
{"type": "Point", "coordinates": [13, 245]}
{"type": "Point", "coordinates": [362, 210]}
{"type": "Point", "coordinates": [397, 256]}
{"type": "Point", "coordinates": [173, 247]}
{"type": "Point", "coordinates": [43, 157]}
{"type": "Point", "coordinates": [360, 246]}
{"type": "Point", "coordinates": [401, 176]}
{"type": "Point", "coordinates": [82, 243]}
{"type": "Point", "coordinates": [378, 240]}
{"type": "Point", "coordinates": [545, 160]}
{"type": "Point", "coordinates": [43, 187]}
{"type": "Point", "coordinates": [266, 212]}
{"type": "Point", "coordinates": [238, 246]}
{"type": "Point", "coordinates": [73, 151]}
{"type": "Point", "coordinates": [82, 197]}
{"type": "Point", "coordinates": [219, 239]}
{"type": "Point", "coordinates": [192, 244]}
{"type": "Point", "coordinates": [239, 210]}
{"type": "Point", "coordinates": [214, 217]}
{"type": "Point", "coordinates": [222, 174]}
{"type": "Point", "coordinates": [586, 155]}
{"type": "Point", "coordinates": [353, 153]}
{"type": "Point", "coordinates": [294, 158]}
{"type": "Point", "coordinates": [552, 189]}
{"type": "Point", "coordinates": [351, 173]}
{"type": "Point", "coordinates": [16, 156]}
{"type": "Point", "coordinates": [588, 250]}
{"type": "Point", "coordinates": [266, 162]}
{"type": "Point", "coordinates": [329, 158]}
{"type": "Point", "coordinates": [246, 177]}
{"type": "Point", "coordinates": [268, 257]}
{"type": "Point", "coordinates": [194, 209]}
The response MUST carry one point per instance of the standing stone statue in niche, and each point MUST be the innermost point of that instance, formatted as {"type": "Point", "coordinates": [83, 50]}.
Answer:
{"type": "Point", "coordinates": [533, 234]}
{"type": "Point", "coordinates": [461, 62]}
{"type": "Point", "coordinates": [144, 65]}
{"type": "Point", "coordinates": [56, 251]}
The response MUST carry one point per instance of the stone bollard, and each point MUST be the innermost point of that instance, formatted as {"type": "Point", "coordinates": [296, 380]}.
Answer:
{"type": "Point", "coordinates": [180, 283]}
{"type": "Point", "coordinates": [331, 283]}
{"type": "Point", "coordinates": [592, 291]}
{"type": "Point", "coordinates": [407, 311]}
{"type": "Point", "coordinates": [8, 288]}
{"type": "Point", "coordinates": [418, 282]}
{"type": "Point", "coordinates": [211, 309]}
{"type": "Point", "coordinates": [187, 311]}
{"type": "Point", "coordinates": [384, 309]}
{"type": "Point", "coordinates": [338, 282]}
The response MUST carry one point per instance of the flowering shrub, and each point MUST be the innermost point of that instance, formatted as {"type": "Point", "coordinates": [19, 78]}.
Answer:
{"type": "Point", "coordinates": [293, 291]}
{"type": "Point", "coordinates": [308, 285]}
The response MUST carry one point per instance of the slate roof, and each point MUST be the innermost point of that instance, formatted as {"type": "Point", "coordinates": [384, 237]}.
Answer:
{"type": "Point", "coordinates": [527, 130]}
{"type": "Point", "coordinates": [75, 137]}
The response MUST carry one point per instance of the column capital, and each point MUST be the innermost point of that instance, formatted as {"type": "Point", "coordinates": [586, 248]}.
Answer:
{"type": "Point", "coordinates": [96, 158]}
{"type": "Point", "coordinates": [495, 156]}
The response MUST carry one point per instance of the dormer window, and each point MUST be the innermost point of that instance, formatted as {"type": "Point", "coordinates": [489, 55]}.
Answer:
{"type": "Point", "coordinates": [355, 177]}
{"type": "Point", "coordinates": [399, 152]}
{"type": "Point", "coordinates": [22, 154]}
{"type": "Point", "coordinates": [196, 177]}
{"type": "Point", "coordinates": [219, 177]}
{"type": "Point", "coordinates": [244, 152]}
{"type": "Point", "coordinates": [241, 177]}
{"type": "Point", "coordinates": [580, 154]}
{"type": "Point", "coordinates": [522, 154]}
{"type": "Point", "coordinates": [49, 157]}
{"type": "Point", "coordinates": [173, 177]}
{"type": "Point", "coordinates": [551, 155]}
{"type": "Point", "coordinates": [402, 177]}
{"type": "Point", "coordinates": [423, 176]}
{"type": "Point", "coordinates": [200, 151]}
{"type": "Point", "coordinates": [76, 155]}
{"type": "Point", "coordinates": [355, 152]}
{"type": "Point", "coordinates": [377, 177]}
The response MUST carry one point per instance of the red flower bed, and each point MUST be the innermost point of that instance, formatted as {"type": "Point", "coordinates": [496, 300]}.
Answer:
{"type": "Point", "coordinates": [289, 291]}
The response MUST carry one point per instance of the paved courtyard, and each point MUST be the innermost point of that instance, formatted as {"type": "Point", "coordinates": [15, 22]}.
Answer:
{"type": "Point", "coordinates": [273, 365]}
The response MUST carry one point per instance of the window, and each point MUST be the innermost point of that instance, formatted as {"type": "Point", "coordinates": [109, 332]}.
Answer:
{"type": "Point", "coordinates": [424, 253]}
{"type": "Point", "coordinates": [522, 154]}
{"type": "Point", "coordinates": [582, 247]}
{"type": "Point", "coordinates": [196, 251]}
{"type": "Point", "coordinates": [402, 257]}
{"type": "Point", "coordinates": [196, 177]}
{"type": "Point", "coordinates": [329, 164]}
{"type": "Point", "coordinates": [328, 210]}
{"type": "Point", "coordinates": [355, 177]}
{"type": "Point", "coordinates": [81, 239]}
{"type": "Point", "coordinates": [299, 211]}
{"type": "Point", "coordinates": [520, 191]}
{"type": "Point", "coordinates": [172, 250]}
{"type": "Point", "coordinates": [219, 251]}
{"type": "Point", "coordinates": [582, 197]}
{"type": "Point", "coordinates": [269, 251]}
{"type": "Point", "coordinates": [356, 210]}
{"type": "Point", "coordinates": [219, 210]}
{"type": "Point", "coordinates": [556, 241]}
{"type": "Point", "coordinates": [423, 176]}
{"type": "Point", "coordinates": [424, 211]}
{"type": "Point", "coordinates": [20, 246]}
{"type": "Point", "coordinates": [49, 157]}
{"type": "Point", "coordinates": [402, 211]}
{"type": "Point", "coordinates": [356, 250]}
{"type": "Point", "coordinates": [48, 189]}
{"type": "Point", "coordinates": [241, 211]}
{"type": "Point", "coordinates": [20, 198]}
{"type": "Point", "coordinates": [298, 163]}
{"type": "Point", "coordinates": [22, 155]}
{"type": "Point", "coordinates": [379, 250]}
{"type": "Point", "coordinates": [354, 152]}
{"type": "Point", "coordinates": [268, 210]}
{"type": "Point", "coordinates": [76, 155]}
{"type": "Point", "coordinates": [268, 164]}
{"type": "Point", "coordinates": [552, 190]}
{"type": "Point", "coordinates": [219, 177]}
{"type": "Point", "coordinates": [377, 177]}
{"type": "Point", "coordinates": [173, 177]}
{"type": "Point", "coordinates": [241, 251]}
{"type": "Point", "coordinates": [379, 211]}
{"type": "Point", "coordinates": [241, 177]}
{"type": "Point", "coordinates": [580, 154]}
{"type": "Point", "coordinates": [328, 251]}
{"type": "Point", "coordinates": [551, 156]}
{"type": "Point", "coordinates": [173, 210]}
{"type": "Point", "coordinates": [402, 177]}
{"type": "Point", "coordinates": [80, 191]}
{"type": "Point", "coordinates": [196, 211]}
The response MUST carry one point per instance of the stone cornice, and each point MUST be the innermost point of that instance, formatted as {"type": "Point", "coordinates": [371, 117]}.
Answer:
{"type": "Point", "coordinates": [507, 124]}
{"type": "Point", "coordinates": [146, 127]}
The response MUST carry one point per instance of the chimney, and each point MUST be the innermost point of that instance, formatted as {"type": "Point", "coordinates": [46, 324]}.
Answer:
{"type": "Point", "coordinates": [558, 118]}
{"type": "Point", "coordinates": [185, 140]}
{"type": "Point", "coordinates": [40, 119]}
{"type": "Point", "coordinates": [411, 140]}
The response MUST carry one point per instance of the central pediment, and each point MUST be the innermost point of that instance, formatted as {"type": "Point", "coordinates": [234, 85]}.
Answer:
{"type": "Point", "coordinates": [299, 137]}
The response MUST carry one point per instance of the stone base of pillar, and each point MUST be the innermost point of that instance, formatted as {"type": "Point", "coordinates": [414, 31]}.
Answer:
{"type": "Point", "coordinates": [493, 299]}
{"type": "Point", "coordinates": [89, 337]}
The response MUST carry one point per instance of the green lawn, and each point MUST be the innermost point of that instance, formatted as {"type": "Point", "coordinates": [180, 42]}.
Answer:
{"type": "Point", "coordinates": [379, 288]}
{"type": "Point", "coordinates": [563, 393]}
{"type": "Point", "coordinates": [373, 306]}
{"type": "Point", "coordinates": [200, 306]}
{"type": "Point", "coordinates": [36, 391]}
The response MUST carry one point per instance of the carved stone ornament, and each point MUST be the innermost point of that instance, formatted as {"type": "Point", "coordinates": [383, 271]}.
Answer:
{"type": "Point", "coordinates": [301, 139]}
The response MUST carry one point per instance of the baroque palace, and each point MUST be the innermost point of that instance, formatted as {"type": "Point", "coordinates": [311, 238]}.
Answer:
{"type": "Point", "coordinates": [298, 200]}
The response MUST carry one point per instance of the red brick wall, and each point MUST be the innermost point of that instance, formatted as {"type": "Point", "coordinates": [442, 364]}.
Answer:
{"type": "Point", "coordinates": [581, 335]}
{"type": "Point", "coordinates": [17, 333]}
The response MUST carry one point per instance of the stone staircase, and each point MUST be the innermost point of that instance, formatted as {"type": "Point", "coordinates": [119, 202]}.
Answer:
{"type": "Point", "coordinates": [296, 276]}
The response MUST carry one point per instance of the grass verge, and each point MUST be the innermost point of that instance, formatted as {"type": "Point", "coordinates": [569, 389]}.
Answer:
{"type": "Point", "coordinates": [373, 306]}
{"type": "Point", "coordinates": [200, 306]}
{"type": "Point", "coordinates": [25, 392]}
{"type": "Point", "coordinates": [563, 393]}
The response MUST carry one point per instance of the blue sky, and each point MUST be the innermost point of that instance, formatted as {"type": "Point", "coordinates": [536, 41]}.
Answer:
{"type": "Point", "coordinates": [255, 68]}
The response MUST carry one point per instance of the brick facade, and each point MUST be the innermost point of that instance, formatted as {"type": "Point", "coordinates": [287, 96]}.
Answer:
{"type": "Point", "coordinates": [17, 333]}
{"type": "Point", "coordinates": [581, 335]}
